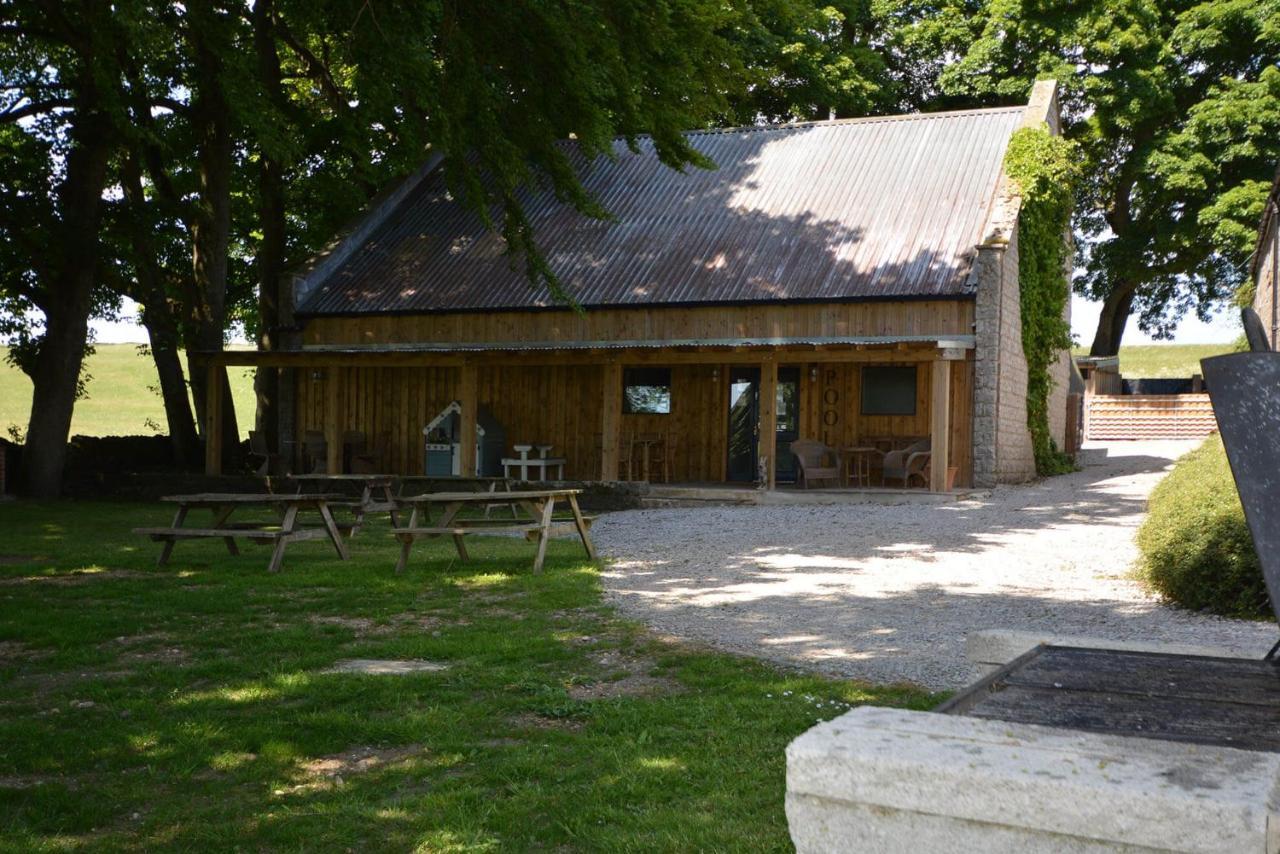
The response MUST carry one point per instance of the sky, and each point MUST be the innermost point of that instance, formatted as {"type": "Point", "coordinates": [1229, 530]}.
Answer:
{"type": "Point", "coordinates": [1084, 318]}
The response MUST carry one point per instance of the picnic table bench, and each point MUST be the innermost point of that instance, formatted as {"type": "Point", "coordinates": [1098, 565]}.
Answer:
{"type": "Point", "coordinates": [376, 493]}
{"type": "Point", "coordinates": [223, 505]}
{"type": "Point", "coordinates": [538, 505]}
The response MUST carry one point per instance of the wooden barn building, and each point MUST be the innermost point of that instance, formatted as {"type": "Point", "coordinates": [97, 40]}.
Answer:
{"type": "Point", "coordinates": [849, 281]}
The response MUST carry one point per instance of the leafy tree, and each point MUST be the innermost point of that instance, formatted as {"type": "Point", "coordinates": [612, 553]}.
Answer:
{"type": "Point", "coordinates": [59, 122]}
{"type": "Point", "coordinates": [804, 60]}
{"type": "Point", "coordinates": [1176, 105]}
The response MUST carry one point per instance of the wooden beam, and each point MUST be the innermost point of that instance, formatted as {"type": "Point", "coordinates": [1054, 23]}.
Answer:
{"type": "Point", "coordinates": [213, 420]}
{"type": "Point", "coordinates": [468, 400]}
{"type": "Point", "coordinates": [332, 420]}
{"type": "Point", "coordinates": [940, 425]}
{"type": "Point", "coordinates": [711, 356]}
{"type": "Point", "coordinates": [610, 421]}
{"type": "Point", "coordinates": [768, 440]}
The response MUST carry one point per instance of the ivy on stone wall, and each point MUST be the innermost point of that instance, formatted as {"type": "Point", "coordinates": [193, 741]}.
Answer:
{"type": "Point", "coordinates": [1045, 168]}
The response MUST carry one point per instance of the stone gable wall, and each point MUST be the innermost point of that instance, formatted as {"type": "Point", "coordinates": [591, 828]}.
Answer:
{"type": "Point", "coordinates": [1264, 299]}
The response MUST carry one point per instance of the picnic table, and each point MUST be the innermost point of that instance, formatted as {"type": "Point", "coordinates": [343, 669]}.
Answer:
{"type": "Point", "coordinates": [537, 504]}
{"type": "Point", "coordinates": [376, 493]}
{"type": "Point", "coordinates": [223, 505]}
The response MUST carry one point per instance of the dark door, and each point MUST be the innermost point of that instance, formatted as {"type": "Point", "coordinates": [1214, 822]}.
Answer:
{"type": "Point", "coordinates": [744, 423]}
{"type": "Point", "coordinates": [788, 422]}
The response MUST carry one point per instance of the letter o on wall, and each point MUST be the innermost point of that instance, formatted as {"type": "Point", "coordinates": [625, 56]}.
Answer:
{"type": "Point", "coordinates": [830, 417]}
{"type": "Point", "coordinates": [831, 396]}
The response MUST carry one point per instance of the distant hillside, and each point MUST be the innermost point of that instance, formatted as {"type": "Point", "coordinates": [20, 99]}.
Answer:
{"type": "Point", "coordinates": [1164, 360]}
{"type": "Point", "coordinates": [124, 395]}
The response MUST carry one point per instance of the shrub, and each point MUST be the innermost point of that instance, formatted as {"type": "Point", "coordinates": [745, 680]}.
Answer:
{"type": "Point", "coordinates": [1196, 549]}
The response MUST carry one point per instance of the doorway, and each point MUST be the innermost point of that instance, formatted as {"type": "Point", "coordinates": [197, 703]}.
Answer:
{"type": "Point", "coordinates": [744, 424]}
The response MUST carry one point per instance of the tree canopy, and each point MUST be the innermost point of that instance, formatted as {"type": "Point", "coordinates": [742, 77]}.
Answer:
{"type": "Point", "coordinates": [185, 155]}
{"type": "Point", "coordinates": [1176, 106]}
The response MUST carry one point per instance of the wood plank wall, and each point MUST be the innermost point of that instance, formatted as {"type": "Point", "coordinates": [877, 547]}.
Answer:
{"type": "Point", "coordinates": [561, 405]}
{"type": "Point", "coordinates": [831, 403]}
{"type": "Point", "coordinates": [923, 317]}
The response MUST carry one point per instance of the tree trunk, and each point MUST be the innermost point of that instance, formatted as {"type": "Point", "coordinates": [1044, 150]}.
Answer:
{"type": "Point", "coordinates": [159, 319]}
{"type": "Point", "coordinates": [211, 226]}
{"type": "Point", "coordinates": [163, 331]}
{"type": "Point", "coordinates": [271, 222]}
{"type": "Point", "coordinates": [57, 371]}
{"type": "Point", "coordinates": [1116, 309]}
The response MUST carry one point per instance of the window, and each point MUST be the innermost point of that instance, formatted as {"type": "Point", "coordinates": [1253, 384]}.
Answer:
{"type": "Point", "coordinates": [889, 391]}
{"type": "Point", "coordinates": [646, 391]}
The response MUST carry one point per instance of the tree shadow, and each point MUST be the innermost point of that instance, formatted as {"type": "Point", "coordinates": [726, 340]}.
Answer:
{"type": "Point", "coordinates": [870, 209]}
{"type": "Point", "coordinates": [888, 593]}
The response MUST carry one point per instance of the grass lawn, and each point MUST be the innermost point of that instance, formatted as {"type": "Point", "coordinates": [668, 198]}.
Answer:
{"type": "Point", "coordinates": [187, 708]}
{"type": "Point", "coordinates": [123, 395]}
{"type": "Point", "coordinates": [1158, 361]}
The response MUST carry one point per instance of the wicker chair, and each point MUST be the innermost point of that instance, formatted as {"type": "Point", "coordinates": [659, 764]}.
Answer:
{"type": "Point", "coordinates": [316, 449]}
{"type": "Point", "coordinates": [258, 448]}
{"type": "Point", "coordinates": [907, 463]}
{"type": "Point", "coordinates": [816, 462]}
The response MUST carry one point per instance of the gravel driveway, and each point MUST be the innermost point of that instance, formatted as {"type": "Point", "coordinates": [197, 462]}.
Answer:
{"type": "Point", "coordinates": [889, 593]}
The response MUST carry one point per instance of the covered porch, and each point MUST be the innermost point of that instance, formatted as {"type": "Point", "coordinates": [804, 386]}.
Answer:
{"type": "Point", "coordinates": [721, 412]}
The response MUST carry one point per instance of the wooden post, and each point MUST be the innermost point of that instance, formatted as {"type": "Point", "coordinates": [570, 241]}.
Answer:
{"type": "Point", "coordinates": [332, 425]}
{"type": "Point", "coordinates": [468, 393]}
{"type": "Point", "coordinates": [213, 420]}
{"type": "Point", "coordinates": [940, 425]}
{"type": "Point", "coordinates": [610, 421]}
{"type": "Point", "coordinates": [768, 438]}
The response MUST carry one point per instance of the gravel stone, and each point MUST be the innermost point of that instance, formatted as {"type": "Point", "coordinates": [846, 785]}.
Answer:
{"type": "Point", "coordinates": [888, 593]}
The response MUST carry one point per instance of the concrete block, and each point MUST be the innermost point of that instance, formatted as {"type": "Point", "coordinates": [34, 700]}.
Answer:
{"type": "Point", "coordinates": [994, 648]}
{"type": "Point", "coordinates": [891, 780]}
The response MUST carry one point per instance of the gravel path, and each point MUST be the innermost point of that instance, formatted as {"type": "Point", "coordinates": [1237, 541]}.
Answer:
{"type": "Point", "coordinates": [888, 593]}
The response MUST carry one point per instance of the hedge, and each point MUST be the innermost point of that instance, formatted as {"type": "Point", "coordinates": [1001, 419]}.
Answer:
{"type": "Point", "coordinates": [1196, 549]}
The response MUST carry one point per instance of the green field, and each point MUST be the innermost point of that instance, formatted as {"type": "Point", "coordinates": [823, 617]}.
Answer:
{"type": "Point", "coordinates": [123, 395]}
{"type": "Point", "coordinates": [1164, 360]}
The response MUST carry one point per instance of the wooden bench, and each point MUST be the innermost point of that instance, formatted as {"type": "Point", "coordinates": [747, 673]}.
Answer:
{"type": "Point", "coordinates": [222, 505]}
{"type": "Point", "coordinates": [539, 526]}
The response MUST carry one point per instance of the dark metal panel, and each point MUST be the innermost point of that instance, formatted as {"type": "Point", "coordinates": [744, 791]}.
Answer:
{"type": "Point", "coordinates": [1245, 390]}
{"type": "Point", "coordinates": [866, 208]}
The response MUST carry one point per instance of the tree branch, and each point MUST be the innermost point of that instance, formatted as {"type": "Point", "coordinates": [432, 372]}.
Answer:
{"type": "Point", "coordinates": [34, 109]}
{"type": "Point", "coordinates": [315, 68]}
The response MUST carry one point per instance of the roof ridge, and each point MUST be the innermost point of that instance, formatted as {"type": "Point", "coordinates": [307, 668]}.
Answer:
{"type": "Point", "coordinates": [894, 117]}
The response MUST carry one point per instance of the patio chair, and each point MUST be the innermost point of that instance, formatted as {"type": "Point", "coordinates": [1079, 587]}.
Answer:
{"type": "Point", "coordinates": [815, 462]}
{"type": "Point", "coordinates": [626, 455]}
{"type": "Point", "coordinates": [316, 451]}
{"type": "Point", "coordinates": [258, 448]}
{"type": "Point", "coordinates": [908, 463]}
{"type": "Point", "coordinates": [369, 460]}
{"type": "Point", "coordinates": [658, 447]}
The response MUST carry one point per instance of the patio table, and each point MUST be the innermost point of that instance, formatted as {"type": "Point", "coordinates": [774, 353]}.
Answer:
{"type": "Point", "coordinates": [223, 505]}
{"type": "Point", "coordinates": [537, 504]}
{"type": "Point", "coordinates": [859, 459]}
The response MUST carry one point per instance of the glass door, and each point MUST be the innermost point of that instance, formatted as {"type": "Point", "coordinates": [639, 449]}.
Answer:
{"type": "Point", "coordinates": [788, 423]}
{"type": "Point", "coordinates": [744, 424]}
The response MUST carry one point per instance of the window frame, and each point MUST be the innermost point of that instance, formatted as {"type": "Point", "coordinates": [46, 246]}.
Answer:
{"type": "Point", "coordinates": [886, 413]}
{"type": "Point", "coordinates": [645, 377]}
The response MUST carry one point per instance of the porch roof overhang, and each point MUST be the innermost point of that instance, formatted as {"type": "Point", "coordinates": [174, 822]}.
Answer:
{"type": "Point", "coordinates": [798, 348]}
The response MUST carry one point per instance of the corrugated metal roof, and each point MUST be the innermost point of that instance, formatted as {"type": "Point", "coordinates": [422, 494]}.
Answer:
{"type": "Point", "coordinates": [866, 208]}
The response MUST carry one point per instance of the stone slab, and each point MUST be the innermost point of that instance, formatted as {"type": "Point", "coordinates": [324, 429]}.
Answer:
{"type": "Point", "coordinates": [994, 648]}
{"type": "Point", "coordinates": [385, 667]}
{"type": "Point", "coordinates": [896, 780]}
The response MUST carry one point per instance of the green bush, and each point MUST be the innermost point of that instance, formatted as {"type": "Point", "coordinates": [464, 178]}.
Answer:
{"type": "Point", "coordinates": [1196, 548]}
